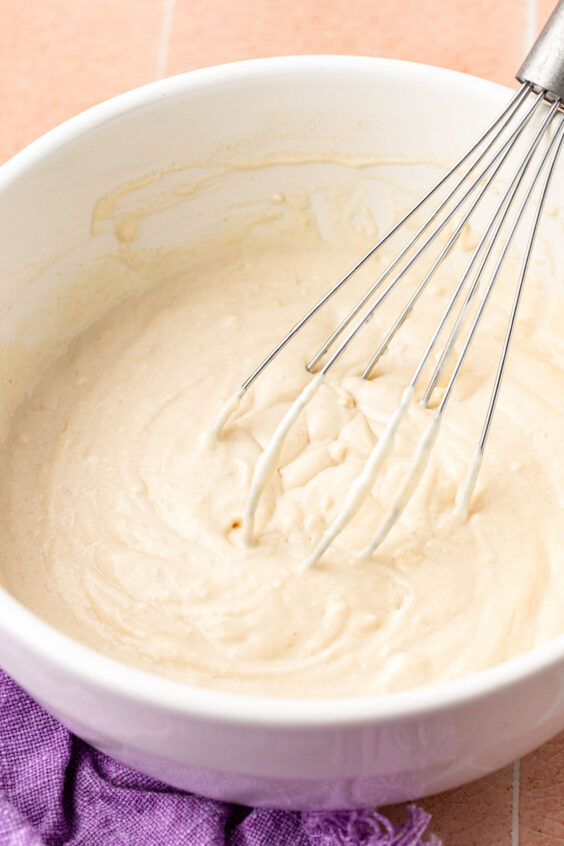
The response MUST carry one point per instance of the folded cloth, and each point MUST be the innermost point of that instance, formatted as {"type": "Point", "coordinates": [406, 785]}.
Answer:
{"type": "Point", "coordinates": [55, 789]}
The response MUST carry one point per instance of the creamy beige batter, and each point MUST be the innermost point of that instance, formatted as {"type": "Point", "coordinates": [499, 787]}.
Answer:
{"type": "Point", "coordinates": [121, 523]}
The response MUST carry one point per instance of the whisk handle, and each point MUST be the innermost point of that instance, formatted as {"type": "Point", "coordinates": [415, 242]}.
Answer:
{"type": "Point", "coordinates": [544, 65]}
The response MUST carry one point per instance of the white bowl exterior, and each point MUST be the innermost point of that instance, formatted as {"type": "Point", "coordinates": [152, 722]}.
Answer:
{"type": "Point", "coordinates": [355, 763]}
{"type": "Point", "coordinates": [343, 753]}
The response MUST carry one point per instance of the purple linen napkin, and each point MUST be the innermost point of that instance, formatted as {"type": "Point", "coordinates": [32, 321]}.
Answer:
{"type": "Point", "coordinates": [55, 789]}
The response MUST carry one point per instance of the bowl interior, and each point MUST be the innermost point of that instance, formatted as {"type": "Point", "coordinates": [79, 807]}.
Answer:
{"type": "Point", "coordinates": [152, 168]}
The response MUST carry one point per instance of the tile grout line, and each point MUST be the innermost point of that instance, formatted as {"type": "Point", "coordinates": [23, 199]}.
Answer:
{"type": "Point", "coordinates": [531, 24]}
{"type": "Point", "coordinates": [164, 40]}
{"type": "Point", "coordinates": [515, 803]}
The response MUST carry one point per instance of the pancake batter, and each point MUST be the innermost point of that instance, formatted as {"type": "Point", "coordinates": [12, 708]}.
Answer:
{"type": "Point", "coordinates": [121, 523]}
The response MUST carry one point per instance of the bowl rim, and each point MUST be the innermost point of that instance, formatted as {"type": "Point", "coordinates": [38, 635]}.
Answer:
{"type": "Point", "coordinates": [113, 676]}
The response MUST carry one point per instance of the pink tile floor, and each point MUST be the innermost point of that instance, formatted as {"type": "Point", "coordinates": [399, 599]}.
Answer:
{"type": "Point", "coordinates": [58, 57]}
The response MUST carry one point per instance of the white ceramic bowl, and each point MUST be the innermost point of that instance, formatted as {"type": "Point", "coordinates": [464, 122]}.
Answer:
{"type": "Point", "coordinates": [262, 752]}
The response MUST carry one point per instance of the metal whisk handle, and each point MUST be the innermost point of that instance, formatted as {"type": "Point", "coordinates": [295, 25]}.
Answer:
{"type": "Point", "coordinates": [544, 65]}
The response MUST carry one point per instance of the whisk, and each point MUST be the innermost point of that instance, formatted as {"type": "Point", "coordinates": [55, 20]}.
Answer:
{"type": "Point", "coordinates": [541, 94]}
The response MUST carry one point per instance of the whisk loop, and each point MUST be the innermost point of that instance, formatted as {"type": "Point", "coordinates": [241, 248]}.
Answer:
{"type": "Point", "coordinates": [426, 443]}
{"type": "Point", "coordinates": [482, 165]}
{"type": "Point", "coordinates": [268, 462]}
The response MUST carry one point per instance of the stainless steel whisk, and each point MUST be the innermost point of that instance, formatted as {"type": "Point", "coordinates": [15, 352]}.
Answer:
{"type": "Point", "coordinates": [542, 81]}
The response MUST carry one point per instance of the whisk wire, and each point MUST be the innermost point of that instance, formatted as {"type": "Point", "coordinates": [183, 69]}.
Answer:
{"type": "Point", "coordinates": [465, 493]}
{"type": "Point", "coordinates": [507, 146]}
{"type": "Point", "coordinates": [507, 112]}
{"type": "Point", "coordinates": [426, 443]}
{"type": "Point", "coordinates": [492, 232]}
{"type": "Point", "coordinates": [438, 261]}
{"type": "Point", "coordinates": [557, 143]}
{"type": "Point", "coordinates": [516, 104]}
{"type": "Point", "coordinates": [501, 145]}
{"type": "Point", "coordinates": [498, 157]}
{"type": "Point", "coordinates": [497, 268]}
{"type": "Point", "coordinates": [364, 482]}
{"type": "Point", "coordinates": [268, 460]}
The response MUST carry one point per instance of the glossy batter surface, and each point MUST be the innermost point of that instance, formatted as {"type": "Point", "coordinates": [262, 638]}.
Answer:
{"type": "Point", "coordinates": [121, 523]}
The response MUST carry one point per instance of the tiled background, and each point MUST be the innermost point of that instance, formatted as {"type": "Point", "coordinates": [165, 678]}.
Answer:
{"type": "Point", "coordinates": [58, 57]}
